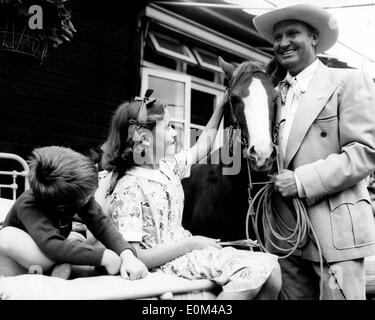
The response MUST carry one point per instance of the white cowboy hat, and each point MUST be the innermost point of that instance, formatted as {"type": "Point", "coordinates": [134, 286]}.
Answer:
{"type": "Point", "coordinates": [317, 17]}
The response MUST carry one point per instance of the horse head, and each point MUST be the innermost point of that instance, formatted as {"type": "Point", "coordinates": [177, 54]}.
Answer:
{"type": "Point", "coordinates": [253, 102]}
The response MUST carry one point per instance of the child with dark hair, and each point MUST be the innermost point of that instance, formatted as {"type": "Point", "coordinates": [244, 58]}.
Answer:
{"type": "Point", "coordinates": [62, 183]}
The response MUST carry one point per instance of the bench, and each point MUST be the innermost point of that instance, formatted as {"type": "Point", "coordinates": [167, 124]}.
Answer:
{"type": "Point", "coordinates": [154, 286]}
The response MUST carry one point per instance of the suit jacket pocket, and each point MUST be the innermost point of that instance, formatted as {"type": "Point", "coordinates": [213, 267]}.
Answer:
{"type": "Point", "coordinates": [352, 221]}
{"type": "Point", "coordinates": [326, 118]}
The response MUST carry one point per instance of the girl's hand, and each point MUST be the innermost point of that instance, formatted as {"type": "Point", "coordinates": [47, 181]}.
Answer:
{"type": "Point", "coordinates": [111, 261]}
{"type": "Point", "coordinates": [224, 99]}
{"type": "Point", "coordinates": [131, 267]}
{"type": "Point", "coordinates": [201, 242]}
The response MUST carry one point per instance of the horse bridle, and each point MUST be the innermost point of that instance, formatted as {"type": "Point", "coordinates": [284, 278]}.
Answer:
{"type": "Point", "coordinates": [244, 142]}
{"type": "Point", "coordinates": [235, 125]}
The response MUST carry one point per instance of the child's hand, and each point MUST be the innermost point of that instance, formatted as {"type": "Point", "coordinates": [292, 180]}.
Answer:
{"type": "Point", "coordinates": [111, 261]}
{"type": "Point", "coordinates": [131, 267]}
{"type": "Point", "coordinates": [201, 242]}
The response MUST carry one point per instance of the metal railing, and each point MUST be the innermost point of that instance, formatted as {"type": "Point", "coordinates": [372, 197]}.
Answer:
{"type": "Point", "coordinates": [14, 173]}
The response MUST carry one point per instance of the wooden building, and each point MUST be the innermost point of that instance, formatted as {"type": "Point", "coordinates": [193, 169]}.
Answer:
{"type": "Point", "coordinates": [70, 98]}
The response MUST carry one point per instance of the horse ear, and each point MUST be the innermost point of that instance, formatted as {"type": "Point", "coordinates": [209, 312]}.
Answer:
{"type": "Point", "coordinates": [226, 67]}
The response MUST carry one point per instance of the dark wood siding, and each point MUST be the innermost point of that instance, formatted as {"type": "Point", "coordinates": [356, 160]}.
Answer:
{"type": "Point", "coordinates": [69, 100]}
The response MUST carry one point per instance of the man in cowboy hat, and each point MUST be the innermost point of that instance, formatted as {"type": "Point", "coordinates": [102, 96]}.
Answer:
{"type": "Point", "coordinates": [327, 142]}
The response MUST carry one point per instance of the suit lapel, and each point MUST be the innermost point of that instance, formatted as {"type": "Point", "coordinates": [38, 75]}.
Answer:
{"type": "Point", "coordinates": [312, 102]}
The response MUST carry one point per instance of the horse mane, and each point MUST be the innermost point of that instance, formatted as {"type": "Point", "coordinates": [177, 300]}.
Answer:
{"type": "Point", "coordinates": [245, 69]}
{"type": "Point", "coordinates": [273, 69]}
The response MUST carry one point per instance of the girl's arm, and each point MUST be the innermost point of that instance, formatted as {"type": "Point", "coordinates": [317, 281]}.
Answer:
{"type": "Point", "coordinates": [207, 138]}
{"type": "Point", "coordinates": [157, 256]}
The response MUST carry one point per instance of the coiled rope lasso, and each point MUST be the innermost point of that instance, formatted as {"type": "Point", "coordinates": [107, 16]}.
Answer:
{"type": "Point", "coordinates": [272, 224]}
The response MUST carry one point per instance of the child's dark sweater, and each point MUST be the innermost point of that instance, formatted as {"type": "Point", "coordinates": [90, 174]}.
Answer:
{"type": "Point", "coordinates": [50, 231]}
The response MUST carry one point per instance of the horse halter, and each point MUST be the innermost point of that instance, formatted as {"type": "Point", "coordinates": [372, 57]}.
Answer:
{"type": "Point", "coordinates": [236, 125]}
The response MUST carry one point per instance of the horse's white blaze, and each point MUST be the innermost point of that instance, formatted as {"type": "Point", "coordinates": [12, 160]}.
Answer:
{"type": "Point", "coordinates": [257, 119]}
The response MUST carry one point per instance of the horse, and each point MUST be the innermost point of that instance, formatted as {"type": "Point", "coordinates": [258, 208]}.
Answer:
{"type": "Point", "coordinates": [217, 195]}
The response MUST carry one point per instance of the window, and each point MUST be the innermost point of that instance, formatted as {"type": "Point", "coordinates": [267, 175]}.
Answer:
{"type": "Point", "coordinates": [203, 103]}
{"type": "Point", "coordinates": [207, 60]}
{"type": "Point", "coordinates": [189, 103]}
{"type": "Point", "coordinates": [171, 47]}
{"type": "Point", "coordinates": [174, 90]}
{"type": "Point", "coordinates": [202, 106]}
{"type": "Point", "coordinates": [189, 58]}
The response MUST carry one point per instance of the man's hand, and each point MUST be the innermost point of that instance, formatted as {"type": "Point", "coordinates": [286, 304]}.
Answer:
{"type": "Point", "coordinates": [111, 261]}
{"type": "Point", "coordinates": [131, 267]}
{"type": "Point", "coordinates": [285, 183]}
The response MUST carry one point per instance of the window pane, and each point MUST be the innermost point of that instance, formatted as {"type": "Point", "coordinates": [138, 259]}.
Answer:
{"type": "Point", "coordinates": [200, 73]}
{"type": "Point", "coordinates": [157, 58]}
{"type": "Point", "coordinates": [170, 92]}
{"type": "Point", "coordinates": [170, 45]}
{"type": "Point", "coordinates": [209, 58]}
{"type": "Point", "coordinates": [202, 107]}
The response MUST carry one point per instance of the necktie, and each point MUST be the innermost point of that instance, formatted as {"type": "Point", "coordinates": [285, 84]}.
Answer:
{"type": "Point", "coordinates": [284, 87]}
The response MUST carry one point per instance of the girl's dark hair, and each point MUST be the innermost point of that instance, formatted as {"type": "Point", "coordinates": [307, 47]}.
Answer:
{"type": "Point", "coordinates": [118, 148]}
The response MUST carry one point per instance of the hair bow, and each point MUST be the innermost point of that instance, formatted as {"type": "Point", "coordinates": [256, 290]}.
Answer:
{"type": "Point", "coordinates": [142, 113]}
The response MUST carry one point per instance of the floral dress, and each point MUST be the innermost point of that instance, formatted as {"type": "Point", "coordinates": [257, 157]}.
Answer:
{"type": "Point", "coordinates": [146, 206]}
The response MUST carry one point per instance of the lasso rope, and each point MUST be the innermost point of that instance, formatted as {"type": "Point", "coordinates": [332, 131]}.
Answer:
{"type": "Point", "coordinates": [266, 212]}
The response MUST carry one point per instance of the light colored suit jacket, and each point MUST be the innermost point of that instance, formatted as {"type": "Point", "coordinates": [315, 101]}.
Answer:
{"type": "Point", "coordinates": [331, 147]}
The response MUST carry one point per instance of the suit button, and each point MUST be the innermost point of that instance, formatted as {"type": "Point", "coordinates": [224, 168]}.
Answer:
{"type": "Point", "coordinates": [323, 134]}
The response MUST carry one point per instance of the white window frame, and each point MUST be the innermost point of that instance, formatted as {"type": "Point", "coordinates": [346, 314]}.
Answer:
{"type": "Point", "coordinates": [196, 84]}
{"type": "Point", "coordinates": [203, 64]}
{"type": "Point", "coordinates": [207, 35]}
{"type": "Point", "coordinates": [189, 58]}
{"type": "Point", "coordinates": [178, 77]}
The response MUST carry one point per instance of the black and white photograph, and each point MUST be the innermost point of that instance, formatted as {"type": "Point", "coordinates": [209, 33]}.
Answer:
{"type": "Point", "coordinates": [202, 151]}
